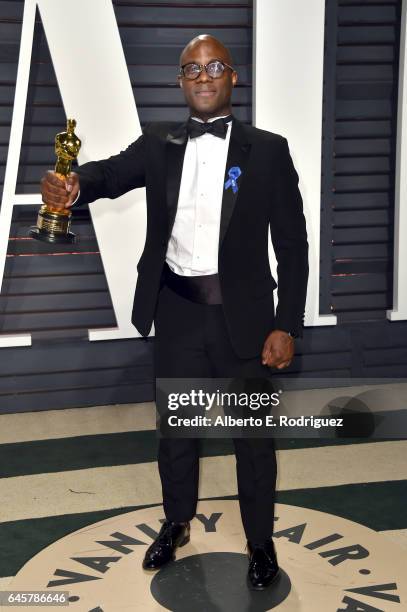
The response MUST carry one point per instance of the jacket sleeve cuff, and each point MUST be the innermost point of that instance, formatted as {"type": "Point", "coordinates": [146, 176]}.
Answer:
{"type": "Point", "coordinates": [295, 329]}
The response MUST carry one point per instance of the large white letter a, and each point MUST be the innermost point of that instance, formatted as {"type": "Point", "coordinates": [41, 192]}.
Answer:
{"type": "Point", "coordinates": [96, 90]}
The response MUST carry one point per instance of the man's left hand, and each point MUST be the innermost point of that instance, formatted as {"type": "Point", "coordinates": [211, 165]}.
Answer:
{"type": "Point", "coordinates": [278, 349]}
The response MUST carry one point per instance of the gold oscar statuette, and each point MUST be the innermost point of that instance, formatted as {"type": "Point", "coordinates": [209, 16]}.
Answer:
{"type": "Point", "coordinates": [53, 224]}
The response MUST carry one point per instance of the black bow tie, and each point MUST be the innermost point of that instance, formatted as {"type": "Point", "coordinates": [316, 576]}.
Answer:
{"type": "Point", "coordinates": [216, 128]}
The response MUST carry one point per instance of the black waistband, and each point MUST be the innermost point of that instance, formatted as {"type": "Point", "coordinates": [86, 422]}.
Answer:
{"type": "Point", "coordinates": [201, 289]}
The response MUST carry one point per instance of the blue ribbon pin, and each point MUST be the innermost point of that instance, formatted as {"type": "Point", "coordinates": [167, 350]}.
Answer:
{"type": "Point", "coordinates": [233, 175]}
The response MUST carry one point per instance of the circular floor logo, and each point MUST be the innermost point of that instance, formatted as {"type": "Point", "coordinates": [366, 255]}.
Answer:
{"type": "Point", "coordinates": [328, 564]}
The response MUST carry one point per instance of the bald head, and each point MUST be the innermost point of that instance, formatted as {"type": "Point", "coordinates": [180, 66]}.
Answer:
{"type": "Point", "coordinates": [206, 39]}
{"type": "Point", "coordinates": [207, 96]}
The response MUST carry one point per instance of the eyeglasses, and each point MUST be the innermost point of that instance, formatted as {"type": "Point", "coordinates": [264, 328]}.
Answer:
{"type": "Point", "coordinates": [214, 69]}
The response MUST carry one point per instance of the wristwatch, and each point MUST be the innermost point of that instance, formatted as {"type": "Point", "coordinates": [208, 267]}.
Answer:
{"type": "Point", "coordinates": [293, 334]}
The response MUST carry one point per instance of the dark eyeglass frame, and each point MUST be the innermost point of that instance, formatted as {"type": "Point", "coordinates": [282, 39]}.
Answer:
{"type": "Point", "coordinates": [201, 67]}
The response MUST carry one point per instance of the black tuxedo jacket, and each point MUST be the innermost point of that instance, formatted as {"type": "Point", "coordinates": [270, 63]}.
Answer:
{"type": "Point", "coordinates": [267, 196]}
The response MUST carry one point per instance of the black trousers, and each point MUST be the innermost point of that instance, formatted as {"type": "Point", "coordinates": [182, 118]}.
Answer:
{"type": "Point", "coordinates": [191, 340]}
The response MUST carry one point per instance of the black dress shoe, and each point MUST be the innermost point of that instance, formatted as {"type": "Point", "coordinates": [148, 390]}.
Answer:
{"type": "Point", "coordinates": [263, 566]}
{"type": "Point", "coordinates": [161, 551]}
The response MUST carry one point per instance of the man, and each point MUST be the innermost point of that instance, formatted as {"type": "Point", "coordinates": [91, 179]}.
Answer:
{"type": "Point", "coordinates": [214, 187]}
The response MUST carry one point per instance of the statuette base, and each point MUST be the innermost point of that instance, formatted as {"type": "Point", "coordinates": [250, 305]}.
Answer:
{"type": "Point", "coordinates": [36, 233]}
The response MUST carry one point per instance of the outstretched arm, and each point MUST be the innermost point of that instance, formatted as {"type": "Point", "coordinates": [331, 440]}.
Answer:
{"type": "Point", "coordinates": [107, 178]}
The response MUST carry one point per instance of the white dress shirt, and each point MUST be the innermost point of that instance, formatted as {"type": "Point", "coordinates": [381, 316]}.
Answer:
{"type": "Point", "coordinates": [194, 242]}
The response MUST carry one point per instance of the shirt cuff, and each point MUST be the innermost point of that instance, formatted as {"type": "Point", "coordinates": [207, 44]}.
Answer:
{"type": "Point", "coordinates": [76, 199]}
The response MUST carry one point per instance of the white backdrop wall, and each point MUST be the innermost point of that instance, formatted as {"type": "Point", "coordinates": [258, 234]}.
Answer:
{"type": "Point", "coordinates": [288, 82]}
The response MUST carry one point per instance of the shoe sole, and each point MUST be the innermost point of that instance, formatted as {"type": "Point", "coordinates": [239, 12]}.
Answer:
{"type": "Point", "coordinates": [157, 567]}
{"type": "Point", "coordinates": [263, 588]}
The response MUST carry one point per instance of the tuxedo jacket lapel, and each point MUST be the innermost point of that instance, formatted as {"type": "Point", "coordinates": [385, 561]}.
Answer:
{"type": "Point", "coordinates": [176, 143]}
{"type": "Point", "coordinates": [238, 155]}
